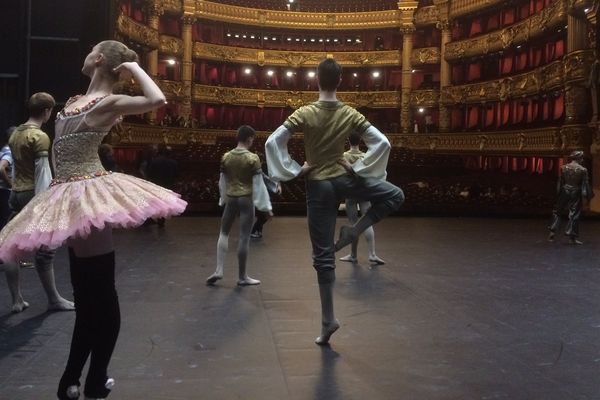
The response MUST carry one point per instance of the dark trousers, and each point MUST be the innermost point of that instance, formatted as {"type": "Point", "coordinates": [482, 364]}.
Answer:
{"type": "Point", "coordinates": [261, 219]}
{"type": "Point", "coordinates": [4, 208]}
{"type": "Point", "coordinates": [322, 200]}
{"type": "Point", "coordinates": [97, 323]}
{"type": "Point", "coordinates": [570, 200]}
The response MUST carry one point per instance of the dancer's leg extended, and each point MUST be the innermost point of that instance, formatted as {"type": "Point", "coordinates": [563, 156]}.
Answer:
{"type": "Point", "coordinates": [322, 201]}
{"type": "Point", "coordinates": [229, 214]}
{"type": "Point", "coordinates": [385, 198]}
{"type": "Point", "coordinates": [97, 320]}
{"type": "Point", "coordinates": [246, 207]}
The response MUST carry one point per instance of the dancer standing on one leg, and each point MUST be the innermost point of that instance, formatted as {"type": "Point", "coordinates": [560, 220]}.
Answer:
{"type": "Point", "coordinates": [326, 124]}
{"type": "Point", "coordinates": [32, 175]}
{"type": "Point", "coordinates": [82, 206]}
{"type": "Point", "coordinates": [242, 188]}
{"type": "Point", "coordinates": [352, 206]}
{"type": "Point", "coordinates": [573, 187]}
{"type": "Point", "coordinates": [262, 216]}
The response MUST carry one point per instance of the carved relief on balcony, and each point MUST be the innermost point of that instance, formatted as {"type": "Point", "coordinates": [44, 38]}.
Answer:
{"type": "Point", "coordinates": [519, 33]}
{"type": "Point", "coordinates": [424, 98]}
{"type": "Point", "coordinates": [294, 99]}
{"type": "Point", "coordinates": [296, 59]}
{"type": "Point", "coordinates": [296, 20]}
{"type": "Point", "coordinates": [426, 55]}
{"type": "Point", "coordinates": [429, 15]}
{"type": "Point", "coordinates": [172, 90]}
{"type": "Point", "coordinates": [172, 6]}
{"type": "Point", "coordinates": [551, 140]}
{"type": "Point", "coordinates": [463, 7]}
{"type": "Point", "coordinates": [171, 45]}
{"type": "Point", "coordinates": [575, 67]}
{"type": "Point", "coordinates": [137, 32]}
{"type": "Point", "coordinates": [578, 65]}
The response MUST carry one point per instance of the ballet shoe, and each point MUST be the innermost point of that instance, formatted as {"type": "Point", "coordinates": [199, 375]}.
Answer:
{"type": "Point", "coordinates": [349, 258]}
{"type": "Point", "coordinates": [376, 260]}
{"type": "Point", "coordinates": [213, 279]}
{"type": "Point", "coordinates": [247, 281]}
{"type": "Point", "coordinates": [327, 329]}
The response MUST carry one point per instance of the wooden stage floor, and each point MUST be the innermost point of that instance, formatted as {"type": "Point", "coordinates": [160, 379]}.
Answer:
{"type": "Point", "coordinates": [463, 309]}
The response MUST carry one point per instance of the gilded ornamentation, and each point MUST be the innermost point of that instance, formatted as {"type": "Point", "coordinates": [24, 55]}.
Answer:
{"type": "Point", "coordinates": [173, 6]}
{"type": "Point", "coordinates": [297, 20]}
{"type": "Point", "coordinates": [573, 69]}
{"type": "Point", "coordinates": [172, 89]}
{"type": "Point", "coordinates": [465, 7]}
{"type": "Point", "coordinates": [171, 45]}
{"type": "Point", "coordinates": [424, 98]}
{"type": "Point", "coordinates": [426, 55]}
{"type": "Point", "coordinates": [242, 55]}
{"type": "Point", "coordinates": [428, 15]}
{"type": "Point", "coordinates": [533, 27]}
{"type": "Point", "coordinates": [128, 28]}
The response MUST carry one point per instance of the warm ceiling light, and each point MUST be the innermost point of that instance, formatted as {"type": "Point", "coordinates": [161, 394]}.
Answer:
{"type": "Point", "coordinates": [247, 71]}
{"type": "Point", "coordinates": [355, 75]}
{"type": "Point", "coordinates": [421, 110]}
{"type": "Point", "coordinates": [244, 36]}
{"type": "Point", "coordinates": [376, 74]}
{"type": "Point", "coordinates": [171, 62]}
{"type": "Point", "coordinates": [297, 39]}
{"type": "Point", "coordinates": [251, 36]}
{"type": "Point", "coordinates": [229, 35]}
{"type": "Point", "coordinates": [311, 74]}
{"type": "Point", "coordinates": [320, 40]}
{"type": "Point", "coordinates": [289, 74]}
{"type": "Point", "coordinates": [237, 35]}
{"type": "Point", "coordinates": [312, 40]}
{"type": "Point", "coordinates": [289, 39]}
{"type": "Point", "coordinates": [270, 72]}
{"type": "Point", "coordinates": [335, 40]}
{"type": "Point", "coordinates": [587, 10]}
{"type": "Point", "coordinates": [348, 40]}
{"type": "Point", "coordinates": [413, 71]}
{"type": "Point", "coordinates": [266, 38]}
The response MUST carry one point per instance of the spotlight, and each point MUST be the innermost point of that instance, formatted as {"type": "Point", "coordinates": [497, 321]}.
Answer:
{"type": "Point", "coordinates": [312, 40]}
{"type": "Point", "coordinates": [320, 40]}
{"type": "Point", "coordinates": [355, 75]}
{"type": "Point", "coordinates": [297, 39]}
{"type": "Point", "coordinates": [244, 36]}
{"type": "Point", "coordinates": [289, 74]}
{"type": "Point", "coordinates": [171, 62]}
{"type": "Point", "coordinates": [348, 40]}
{"type": "Point", "coordinates": [311, 74]}
{"type": "Point", "coordinates": [229, 35]}
{"type": "Point", "coordinates": [270, 72]}
{"type": "Point", "coordinates": [289, 39]}
{"type": "Point", "coordinates": [252, 36]}
{"type": "Point", "coordinates": [247, 71]}
{"type": "Point", "coordinates": [413, 71]}
{"type": "Point", "coordinates": [266, 38]}
{"type": "Point", "coordinates": [376, 74]}
{"type": "Point", "coordinates": [273, 38]}
{"type": "Point", "coordinates": [421, 110]}
{"type": "Point", "coordinates": [237, 36]}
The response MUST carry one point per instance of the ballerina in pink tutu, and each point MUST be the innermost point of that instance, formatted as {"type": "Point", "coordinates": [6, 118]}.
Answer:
{"type": "Point", "coordinates": [84, 203]}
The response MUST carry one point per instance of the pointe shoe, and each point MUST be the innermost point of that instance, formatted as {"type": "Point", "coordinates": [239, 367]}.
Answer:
{"type": "Point", "coordinates": [110, 383]}
{"type": "Point", "coordinates": [347, 236]}
{"type": "Point", "coordinates": [213, 279]}
{"type": "Point", "coordinates": [376, 260]}
{"type": "Point", "coordinates": [327, 330]}
{"type": "Point", "coordinates": [349, 258]}
{"type": "Point", "coordinates": [247, 281]}
{"type": "Point", "coordinates": [73, 392]}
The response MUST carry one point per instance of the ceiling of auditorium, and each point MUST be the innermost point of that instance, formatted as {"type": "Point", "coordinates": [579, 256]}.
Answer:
{"type": "Point", "coordinates": [317, 5]}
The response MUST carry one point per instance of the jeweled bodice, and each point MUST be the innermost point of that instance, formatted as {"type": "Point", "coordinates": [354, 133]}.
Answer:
{"type": "Point", "coordinates": [76, 155]}
{"type": "Point", "coordinates": [75, 148]}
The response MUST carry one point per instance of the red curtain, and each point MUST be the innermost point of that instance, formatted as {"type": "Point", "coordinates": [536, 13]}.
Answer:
{"type": "Point", "coordinates": [521, 62]}
{"type": "Point", "coordinates": [535, 56]}
{"type": "Point", "coordinates": [493, 22]}
{"type": "Point", "coordinates": [475, 27]}
{"type": "Point", "coordinates": [473, 117]}
{"type": "Point", "coordinates": [508, 17]}
{"type": "Point", "coordinates": [503, 113]}
{"type": "Point", "coordinates": [559, 107]}
{"type": "Point", "coordinates": [474, 71]}
{"type": "Point", "coordinates": [506, 63]}
{"type": "Point", "coordinates": [457, 74]}
{"type": "Point", "coordinates": [490, 114]}
{"type": "Point", "coordinates": [457, 119]}
{"type": "Point", "coordinates": [560, 48]}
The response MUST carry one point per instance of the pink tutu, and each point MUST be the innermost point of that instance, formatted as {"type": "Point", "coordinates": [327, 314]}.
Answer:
{"type": "Point", "coordinates": [72, 209]}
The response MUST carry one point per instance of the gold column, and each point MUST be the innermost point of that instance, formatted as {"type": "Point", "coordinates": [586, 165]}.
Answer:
{"type": "Point", "coordinates": [576, 96]}
{"type": "Point", "coordinates": [185, 108]}
{"type": "Point", "coordinates": [406, 125]}
{"type": "Point", "coordinates": [154, 12]}
{"type": "Point", "coordinates": [444, 26]}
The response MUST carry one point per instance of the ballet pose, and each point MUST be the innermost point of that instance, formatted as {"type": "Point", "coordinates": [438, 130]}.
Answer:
{"type": "Point", "coordinates": [84, 203]}
{"type": "Point", "coordinates": [352, 207]}
{"type": "Point", "coordinates": [242, 188]}
{"type": "Point", "coordinates": [326, 124]}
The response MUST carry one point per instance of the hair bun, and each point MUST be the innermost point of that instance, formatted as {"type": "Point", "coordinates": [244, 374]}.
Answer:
{"type": "Point", "coordinates": [128, 55]}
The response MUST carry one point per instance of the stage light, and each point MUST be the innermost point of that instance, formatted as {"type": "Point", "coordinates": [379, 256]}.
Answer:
{"type": "Point", "coordinates": [312, 40]}
{"type": "Point", "coordinates": [355, 75]}
{"type": "Point", "coordinates": [270, 72]}
{"type": "Point", "coordinates": [289, 74]}
{"type": "Point", "coordinates": [237, 36]}
{"type": "Point", "coordinates": [311, 74]}
{"type": "Point", "coordinates": [171, 62]}
{"type": "Point", "coordinates": [244, 36]}
{"type": "Point", "coordinates": [421, 110]}
{"type": "Point", "coordinates": [297, 39]}
{"type": "Point", "coordinates": [289, 39]}
{"type": "Point", "coordinates": [247, 71]}
{"type": "Point", "coordinates": [273, 38]}
{"type": "Point", "coordinates": [252, 36]}
{"type": "Point", "coordinates": [327, 40]}
{"type": "Point", "coordinates": [376, 74]}
{"type": "Point", "coordinates": [266, 38]}
{"type": "Point", "coordinates": [335, 40]}
{"type": "Point", "coordinates": [229, 35]}
{"type": "Point", "coordinates": [587, 10]}
{"type": "Point", "coordinates": [320, 40]}
{"type": "Point", "coordinates": [348, 40]}
{"type": "Point", "coordinates": [413, 71]}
